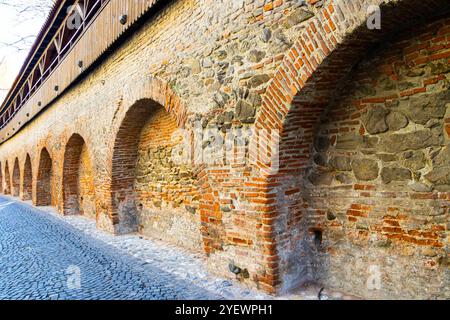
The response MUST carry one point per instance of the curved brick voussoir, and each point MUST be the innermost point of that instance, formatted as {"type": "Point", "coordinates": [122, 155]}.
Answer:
{"type": "Point", "coordinates": [6, 180]}
{"type": "Point", "coordinates": [44, 179]}
{"type": "Point", "coordinates": [335, 139]}
{"type": "Point", "coordinates": [315, 74]}
{"type": "Point", "coordinates": [78, 183]}
{"type": "Point", "coordinates": [16, 179]}
{"type": "Point", "coordinates": [27, 181]}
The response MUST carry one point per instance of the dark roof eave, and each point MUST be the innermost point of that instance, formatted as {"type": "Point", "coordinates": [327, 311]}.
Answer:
{"type": "Point", "coordinates": [40, 43]}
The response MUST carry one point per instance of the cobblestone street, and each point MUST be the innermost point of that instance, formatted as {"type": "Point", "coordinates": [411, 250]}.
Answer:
{"type": "Point", "coordinates": [41, 255]}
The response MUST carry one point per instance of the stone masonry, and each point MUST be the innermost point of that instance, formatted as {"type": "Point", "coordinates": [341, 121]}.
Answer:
{"type": "Point", "coordinates": [356, 196]}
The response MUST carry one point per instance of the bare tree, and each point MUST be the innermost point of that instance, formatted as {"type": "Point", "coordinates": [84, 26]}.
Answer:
{"type": "Point", "coordinates": [3, 90]}
{"type": "Point", "coordinates": [25, 11]}
{"type": "Point", "coordinates": [29, 6]}
{"type": "Point", "coordinates": [24, 17]}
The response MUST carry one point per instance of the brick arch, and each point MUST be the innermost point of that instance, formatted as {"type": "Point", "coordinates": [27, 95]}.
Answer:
{"type": "Point", "coordinates": [142, 152]}
{"type": "Point", "coordinates": [16, 179]}
{"type": "Point", "coordinates": [124, 211]}
{"type": "Point", "coordinates": [44, 179]}
{"type": "Point", "coordinates": [307, 80]}
{"type": "Point", "coordinates": [27, 189]}
{"type": "Point", "coordinates": [78, 184]}
{"type": "Point", "coordinates": [160, 92]}
{"type": "Point", "coordinates": [326, 50]}
{"type": "Point", "coordinates": [7, 180]}
{"type": "Point", "coordinates": [154, 92]}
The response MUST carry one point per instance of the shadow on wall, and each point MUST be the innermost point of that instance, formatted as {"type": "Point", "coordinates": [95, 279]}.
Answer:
{"type": "Point", "coordinates": [27, 179]}
{"type": "Point", "coordinates": [383, 131]}
{"type": "Point", "coordinates": [7, 180]}
{"type": "Point", "coordinates": [153, 194]}
{"type": "Point", "coordinates": [44, 178]}
{"type": "Point", "coordinates": [16, 179]}
{"type": "Point", "coordinates": [78, 180]}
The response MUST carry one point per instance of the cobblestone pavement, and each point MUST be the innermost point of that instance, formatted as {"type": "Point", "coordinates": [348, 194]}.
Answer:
{"type": "Point", "coordinates": [42, 254]}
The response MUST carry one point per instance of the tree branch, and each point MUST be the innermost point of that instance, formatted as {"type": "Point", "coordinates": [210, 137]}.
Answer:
{"type": "Point", "coordinates": [26, 11]}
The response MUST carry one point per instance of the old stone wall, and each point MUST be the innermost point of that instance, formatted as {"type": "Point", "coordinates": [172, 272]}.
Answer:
{"type": "Point", "coordinates": [86, 196]}
{"type": "Point", "coordinates": [273, 65]}
{"type": "Point", "coordinates": [197, 52]}
{"type": "Point", "coordinates": [377, 188]}
{"type": "Point", "coordinates": [44, 179]}
{"type": "Point", "coordinates": [7, 180]}
{"type": "Point", "coordinates": [78, 182]}
{"type": "Point", "coordinates": [27, 183]}
{"type": "Point", "coordinates": [167, 195]}
{"type": "Point", "coordinates": [16, 179]}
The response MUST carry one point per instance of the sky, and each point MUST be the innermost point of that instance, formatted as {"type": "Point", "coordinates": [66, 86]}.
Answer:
{"type": "Point", "coordinates": [16, 25]}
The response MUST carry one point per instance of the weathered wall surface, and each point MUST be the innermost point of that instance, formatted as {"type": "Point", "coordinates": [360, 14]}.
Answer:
{"type": "Point", "coordinates": [86, 195]}
{"type": "Point", "coordinates": [16, 179]}
{"type": "Point", "coordinates": [44, 180]}
{"type": "Point", "coordinates": [27, 180]}
{"type": "Point", "coordinates": [78, 181]}
{"type": "Point", "coordinates": [167, 196]}
{"type": "Point", "coordinates": [7, 180]}
{"type": "Point", "coordinates": [239, 47]}
{"type": "Point", "coordinates": [273, 65]}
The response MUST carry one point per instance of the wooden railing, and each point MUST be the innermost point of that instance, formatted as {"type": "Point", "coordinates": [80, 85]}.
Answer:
{"type": "Point", "coordinates": [100, 28]}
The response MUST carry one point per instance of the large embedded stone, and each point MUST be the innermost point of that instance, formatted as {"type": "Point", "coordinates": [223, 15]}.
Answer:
{"type": "Point", "coordinates": [409, 141]}
{"type": "Point", "coordinates": [405, 85]}
{"type": "Point", "coordinates": [331, 216]}
{"type": "Point", "coordinates": [321, 143]}
{"type": "Point", "coordinates": [420, 187]}
{"type": "Point", "coordinates": [245, 112]}
{"type": "Point", "coordinates": [396, 120]}
{"type": "Point", "coordinates": [365, 169]}
{"type": "Point", "coordinates": [320, 159]}
{"type": "Point", "coordinates": [433, 123]}
{"type": "Point", "coordinates": [421, 109]}
{"type": "Point", "coordinates": [221, 55]}
{"type": "Point", "coordinates": [225, 117]}
{"type": "Point", "coordinates": [384, 243]}
{"type": "Point", "coordinates": [256, 56]}
{"type": "Point", "coordinates": [341, 163]}
{"type": "Point", "coordinates": [375, 120]}
{"type": "Point", "coordinates": [258, 80]}
{"type": "Point", "coordinates": [387, 83]}
{"type": "Point", "coordinates": [195, 66]}
{"type": "Point", "coordinates": [386, 157]}
{"type": "Point", "coordinates": [207, 62]}
{"type": "Point", "coordinates": [238, 60]}
{"type": "Point", "coordinates": [395, 174]}
{"type": "Point", "coordinates": [298, 16]}
{"type": "Point", "coordinates": [254, 99]}
{"type": "Point", "coordinates": [343, 178]}
{"type": "Point", "coordinates": [320, 178]}
{"type": "Point", "coordinates": [440, 67]}
{"type": "Point", "coordinates": [365, 91]}
{"type": "Point", "coordinates": [370, 142]}
{"type": "Point", "coordinates": [184, 72]}
{"type": "Point", "coordinates": [442, 158]}
{"type": "Point", "coordinates": [439, 176]}
{"type": "Point", "coordinates": [349, 141]}
{"type": "Point", "coordinates": [414, 160]}
{"type": "Point", "coordinates": [414, 72]}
